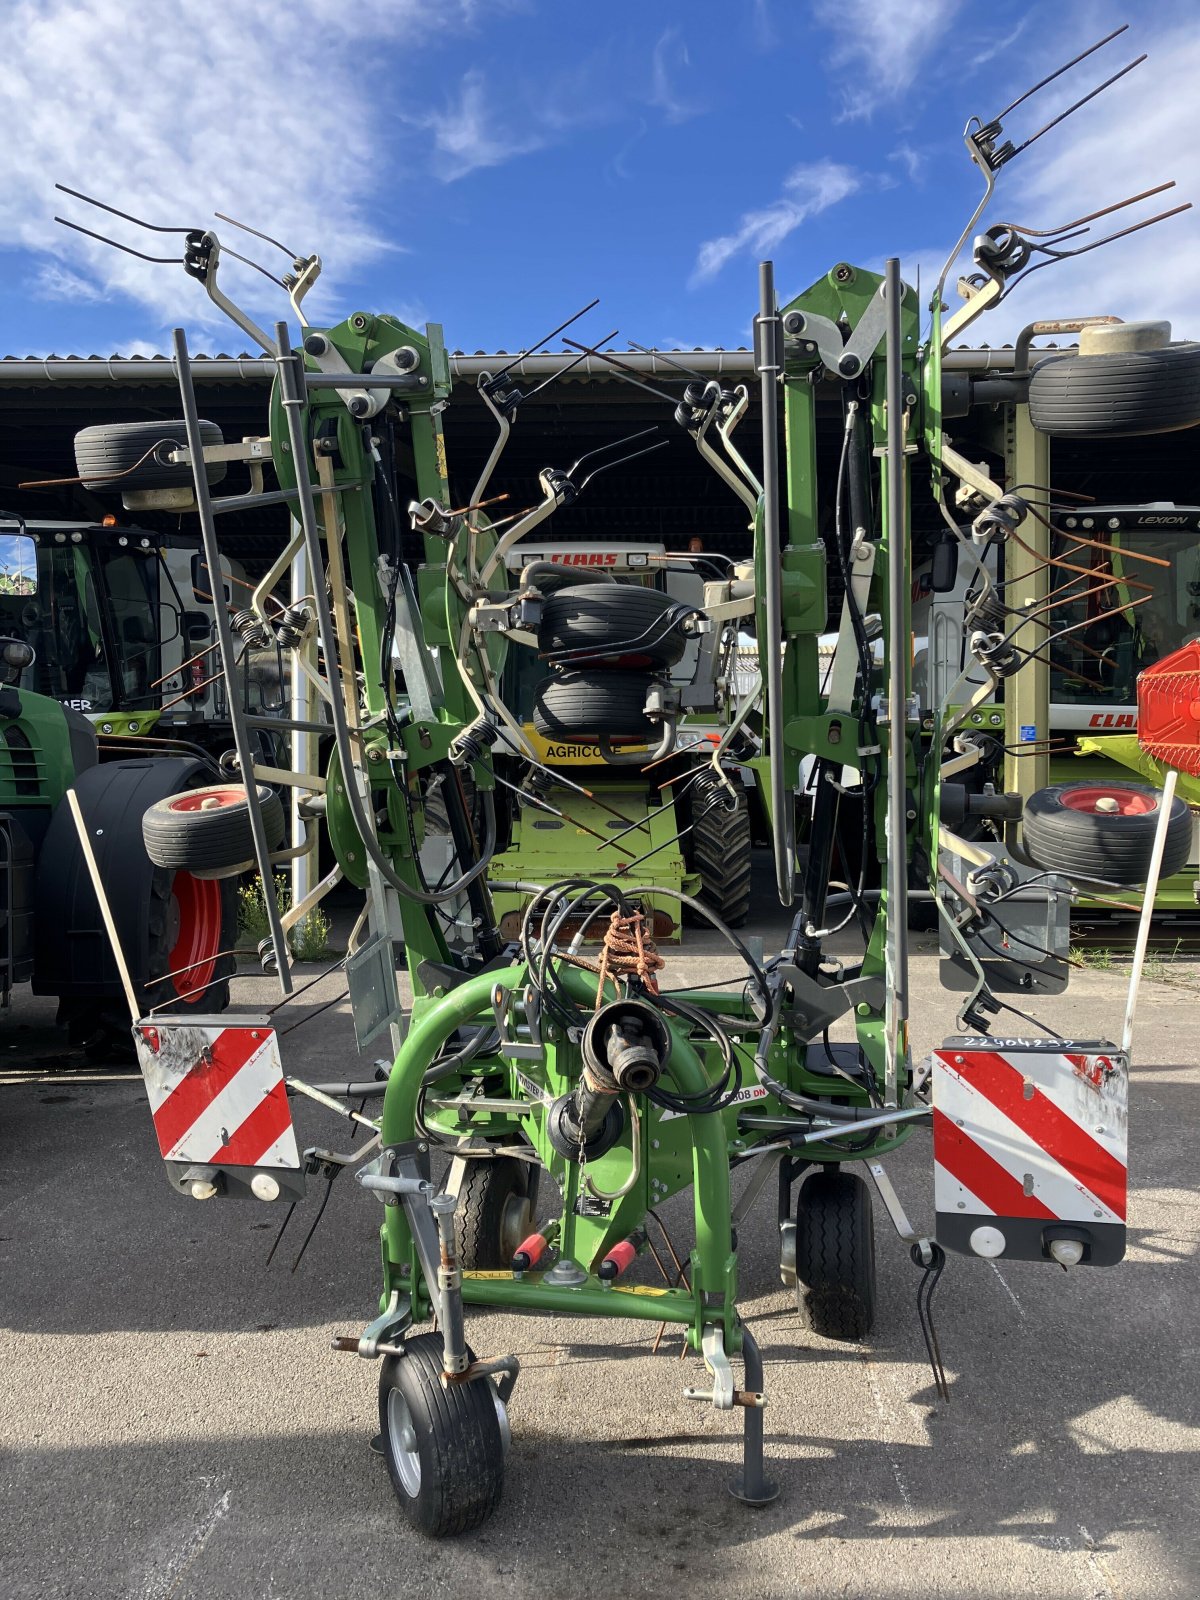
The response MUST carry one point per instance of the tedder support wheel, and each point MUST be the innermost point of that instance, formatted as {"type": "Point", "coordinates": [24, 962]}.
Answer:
{"type": "Point", "coordinates": [494, 1213]}
{"type": "Point", "coordinates": [1117, 396]}
{"type": "Point", "coordinates": [585, 705]}
{"type": "Point", "coordinates": [133, 455]}
{"type": "Point", "coordinates": [835, 1255]}
{"type": "Point", "coordinates": [621, 622]}
{"type": "Point", "coordinates": [1104, 831]}
{"type": "Point", "coordinates": [207, 831]}
{"type": "Point", "coordinates": [718, 848]}
{"type": "Point", "coordinates": [444, 1443]}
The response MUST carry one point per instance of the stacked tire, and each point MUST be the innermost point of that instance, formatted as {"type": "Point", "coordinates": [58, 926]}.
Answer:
{"type": "Point", "coordinates": [609, 645]}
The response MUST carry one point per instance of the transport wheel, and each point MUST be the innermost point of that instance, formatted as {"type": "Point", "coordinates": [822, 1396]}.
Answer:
{"type": "Point", "coordinates": [207, 831]}
{"type": "Point", "coordinates": [133, 455]}
{"type": "Point", "coordinates": [835, 1255]}
{"type": "Point", "coordinates": [1101, 830]}
{"type": "Point", "coordinates": [620, 623]}
{"type": "Point", "coordinates": [1127, 380]}
{"type": "Point", "coordinates": [495, 1213]}
{"type": "Point", "coordinates": [584, 705]}
{"type": "Point", "coordinates": [444, 1444]}
{"type": "Point", "coordinates": [718, 848]}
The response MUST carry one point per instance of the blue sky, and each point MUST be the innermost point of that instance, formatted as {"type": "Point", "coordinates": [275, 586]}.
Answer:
{"type": "Point", "coordinates": [493, 164]}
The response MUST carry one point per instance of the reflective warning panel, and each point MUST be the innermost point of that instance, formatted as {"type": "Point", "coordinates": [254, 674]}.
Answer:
{"type": "Point", "coordinates": [1029, 1149]}
{"type": "Point", "coordinates": [219, 1102]}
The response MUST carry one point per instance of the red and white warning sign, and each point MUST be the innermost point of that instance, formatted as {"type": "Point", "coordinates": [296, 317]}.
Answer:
{"type": "Point", "coordinates": [1029, 1147]}
{"type": "Point", "coordinates": [217, 1092]}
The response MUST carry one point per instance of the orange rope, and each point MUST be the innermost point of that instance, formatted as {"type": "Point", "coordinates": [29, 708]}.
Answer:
{"type": "Point", "coordinates": [628, 951]}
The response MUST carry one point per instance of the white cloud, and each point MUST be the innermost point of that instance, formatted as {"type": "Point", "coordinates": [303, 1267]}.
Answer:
{"type": "Point", "coordinates": [670, 53]}
{"type": "Point", "coordinates": [217, 105]}
{"type": "Point", "coordinates": [913, 161]}
{"type": "Point", "coordinates": [470, 134]}
{"type": "Point", "coordinates": [807, 190]}
{"type": "Point", "coordinates": [54, 282]}
{"type": "Point", "coordinates": [879, 46]}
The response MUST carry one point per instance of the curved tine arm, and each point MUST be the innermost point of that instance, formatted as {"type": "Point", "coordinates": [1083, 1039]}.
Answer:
{"type": "Point", "coordinates": [220, 299]}
{"type": "Point", "coordinates": [725, 429]}
{"type": "Point", "coordinates": [722, 468]}
{"type": "Point", "coordinates": [504, 427]}
{"type": "Point", "coordinates": [550, 500]}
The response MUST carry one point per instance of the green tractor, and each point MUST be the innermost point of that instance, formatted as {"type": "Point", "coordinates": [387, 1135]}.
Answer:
{"type": "Point", "coordinates": [177, 928]}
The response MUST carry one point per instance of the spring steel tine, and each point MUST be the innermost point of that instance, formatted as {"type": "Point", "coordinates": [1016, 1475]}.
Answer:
{"type": "Point", "coordinates": [544, 805]}
{"type": "Point", "coordinates": [152, 227]}
{"type": "Point", "coordinates": [237, 256]}
{"type": "Point", "coordinates": [246, 228]}
{"type": "Point", "coordinates": [627, 371]}
{"type": "Point", "coordinates": [533, 347]}
{"type": "Point", "coordinates": [661, 355]}
{"type": "Point", "coordinates": [1063, 115]}
{"type": "Point", "coordinates": [562, 372]}
{"type": "Point", "coordinates": [1134, 227]}
{"type": "Point", "coordinates": [621, 461]}
{"type": "Point", "coordinates": [1058, 72]}
{"type": "Point", "coordinates": [1092, 216]}
{"type": "Point", "coordinates": [613, 444]}
{"type": "Point", "coordinates": [162, 261]}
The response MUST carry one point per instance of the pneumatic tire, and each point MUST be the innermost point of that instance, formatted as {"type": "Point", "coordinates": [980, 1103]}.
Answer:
{"type": "Point", "coordinates": [494, 1213]}
{"type": "Point", "coordinates": [132, 455]}
{"type": "Point", "coordinates": [621, 624]}
{"type": "Point", "coordinates": [444, 1443]}
{"type": "Point", "coordinates": [719, 849]}
{"type": "Point", "coordinates": [583, 706]}
{"type": "Point", "coordinates": [835, 1255]}
{"type": "Point", "coordinates": [1117, 396]}
{"type": "Point", "coordinates": [207, 831]}
{"type": "Point", "coordinates": [1064, 832]}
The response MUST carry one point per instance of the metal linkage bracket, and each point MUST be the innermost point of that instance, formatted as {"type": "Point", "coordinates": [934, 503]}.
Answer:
{"type": "Point", "coordinates": [520, 1040]}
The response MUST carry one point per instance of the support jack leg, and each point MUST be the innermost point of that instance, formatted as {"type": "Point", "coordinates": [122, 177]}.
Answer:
{"type": "Point", "coordinates": [751, 1486]}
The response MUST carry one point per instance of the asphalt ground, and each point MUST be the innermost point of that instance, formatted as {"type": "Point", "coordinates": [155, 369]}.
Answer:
{"type": "Point", "coordinates": [174, 1423]}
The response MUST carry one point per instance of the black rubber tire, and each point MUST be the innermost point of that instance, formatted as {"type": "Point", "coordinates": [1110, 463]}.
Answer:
{"type": "Point", "coordinates": [1109, 847]}
{"type": "Point", "coordinates": [213, 843]}
{"type": "Point", "coordinates": [101, 1030]}
{"type": "Point", "coordinates": [105, 453]}
{"type": "Point", "coordinates": [584, 705]}
{"type": "Point", "coordinates": [719, 849]}
{"type": "Point", "coordinates": [1118, 396]}
{"type": "Point", "coordinates": [835, 1255]}
{"type": "Point", "coordinates": [456, 1436]}
{"type": "Point", "coordinates": [620, 624]}
{"type": "Point", "coordinates": [494, 1213]}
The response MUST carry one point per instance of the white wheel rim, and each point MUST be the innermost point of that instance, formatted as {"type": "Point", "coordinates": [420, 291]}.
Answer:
{"type": "Point", "coordinates": [403, 1439]}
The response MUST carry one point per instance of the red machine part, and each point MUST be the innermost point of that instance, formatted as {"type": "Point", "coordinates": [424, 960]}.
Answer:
{"type": "Point", "coordinates": [1169, 710]}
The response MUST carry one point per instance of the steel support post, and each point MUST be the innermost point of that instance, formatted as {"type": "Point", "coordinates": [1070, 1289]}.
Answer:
{"type": "Point", "coordinates": [1027, 693]}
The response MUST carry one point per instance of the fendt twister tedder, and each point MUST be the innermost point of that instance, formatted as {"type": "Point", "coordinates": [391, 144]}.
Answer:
{"type": "Point", "coordinates": [558, 1054]}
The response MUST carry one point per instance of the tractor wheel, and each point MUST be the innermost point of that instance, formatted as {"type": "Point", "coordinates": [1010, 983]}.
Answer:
{"type": "Point", "coordinates": [444, 1443]}
{"type": "Point", "coordinates": [718, 848]}
{"type": "Point", "coordinates": [495, 1213]}
{"type": "Point", "coordinates": [207, 831]}
{"type": "Point", "coordinates": [835, 1255]}
{"type": "Point", "coordinates": [583, 705]}
{"type": "Point", "coordinates": [133, 455]}
{"type": "Point", "coordinates": [1126, 381]}
{"type": "Point", "coordinates": [619, 624]}
{"type": "Point", "coordinates": [1104, 831]}
{"type": "Point", "coordinates": [167, 919]}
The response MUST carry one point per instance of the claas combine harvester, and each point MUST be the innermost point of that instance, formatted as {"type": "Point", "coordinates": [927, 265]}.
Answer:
{"type": "Point", "coordinates": [556, 1053]}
